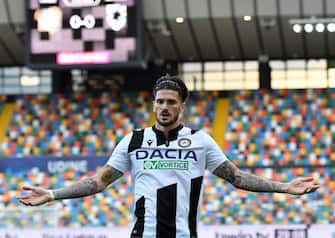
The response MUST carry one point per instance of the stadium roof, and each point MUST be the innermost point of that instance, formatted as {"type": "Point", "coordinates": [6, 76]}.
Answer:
{"type": "Point", "coordinates": [211, 30]}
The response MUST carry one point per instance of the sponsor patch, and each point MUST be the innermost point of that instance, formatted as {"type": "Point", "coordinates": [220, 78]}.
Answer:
{"type": "Point", "coordinates": [165, 164]}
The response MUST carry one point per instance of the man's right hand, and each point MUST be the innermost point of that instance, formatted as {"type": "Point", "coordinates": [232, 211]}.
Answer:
{"type": "Point", "coordinates": [37, 196]}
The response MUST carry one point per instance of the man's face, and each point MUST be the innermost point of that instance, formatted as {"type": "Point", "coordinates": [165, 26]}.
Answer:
{"type": "Point", "coordinates": [167, 107]}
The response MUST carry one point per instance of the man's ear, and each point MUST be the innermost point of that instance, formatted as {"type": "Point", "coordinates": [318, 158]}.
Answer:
{"type": "Point", "coordinates": [183, 106]}
{"type": "Point", "coordinates": [153, 106]}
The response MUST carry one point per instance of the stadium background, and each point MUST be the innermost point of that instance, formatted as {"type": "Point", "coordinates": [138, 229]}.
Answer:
{"type": "Point", "coordinates": [262, 78]}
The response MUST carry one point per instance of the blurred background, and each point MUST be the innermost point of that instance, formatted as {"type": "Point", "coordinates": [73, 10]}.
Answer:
{"type": "Point", "coordinates": [76, 76]}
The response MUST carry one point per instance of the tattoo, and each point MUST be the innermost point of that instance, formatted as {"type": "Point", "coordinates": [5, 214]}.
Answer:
{"type": "Point", "coordinates": [227, 171]}
{"type": "Point", "coordinates": [110, 174]}
{"type": "Point", "coordinates": [83, 188]}
{"type": "Point", "coordinates": [89, 186]}
{"type": "Point", "coordinates": [247, 181]}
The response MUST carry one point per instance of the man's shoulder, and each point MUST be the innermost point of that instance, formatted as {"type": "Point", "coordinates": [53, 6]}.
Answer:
{"type": "Point", "coordinates": [138, 131]}
{"type": "Point", "coordinates": [191, 131]}
{"type": "Point", "coordinates": [141, 129]}
{"type": "Point", "coordinates": [199, 135]}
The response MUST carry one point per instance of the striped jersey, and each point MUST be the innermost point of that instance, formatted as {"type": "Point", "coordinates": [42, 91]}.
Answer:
{"type": "Point", "coordinates": [167, 175]}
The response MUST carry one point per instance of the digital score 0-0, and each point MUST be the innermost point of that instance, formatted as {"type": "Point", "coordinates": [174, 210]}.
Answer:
{"type": "Point", "coordinates": [84, 34]}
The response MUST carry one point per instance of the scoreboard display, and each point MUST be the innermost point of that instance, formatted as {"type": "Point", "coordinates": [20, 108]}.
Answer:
{"type": "Point", "coordinates": [83, 33]}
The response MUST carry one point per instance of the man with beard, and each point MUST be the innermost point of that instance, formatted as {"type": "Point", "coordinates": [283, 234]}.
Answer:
{"type": "Point", "coordinates": [167, 162]}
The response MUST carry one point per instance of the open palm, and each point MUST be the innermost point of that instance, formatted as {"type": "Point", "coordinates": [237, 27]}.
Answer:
{"type": "Point", "coordinates": [37, 196]}
{"type": "Point", "coordinates": [300, 186]}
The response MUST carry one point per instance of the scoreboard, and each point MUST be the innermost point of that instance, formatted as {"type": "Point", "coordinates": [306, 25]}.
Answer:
{"type": "Point", "coordinates": [83, 34]}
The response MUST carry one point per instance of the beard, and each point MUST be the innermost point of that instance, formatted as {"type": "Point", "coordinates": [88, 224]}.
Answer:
{"type": "Point", "coordinates": [167, 122]}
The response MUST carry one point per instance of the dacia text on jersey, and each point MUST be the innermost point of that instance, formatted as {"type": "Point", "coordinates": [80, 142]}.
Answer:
{"type": "Point", "coordinates": [166, 154]}
{"type": "Point", "coordinates": [166, 159]}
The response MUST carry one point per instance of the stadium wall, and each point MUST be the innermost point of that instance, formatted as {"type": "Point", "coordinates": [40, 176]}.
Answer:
{"type": "Point", "coordinates": [218, 231]}
{"type": "Point", "coordinates": [54, 164]}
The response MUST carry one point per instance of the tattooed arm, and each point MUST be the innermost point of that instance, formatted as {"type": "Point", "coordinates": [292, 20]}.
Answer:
{"type": "Point", "coordinates": [89, 186]}
{"type": "Point", "coordinates": [86, 187]}
{"type": "Point", "coordinates": [250, 182]}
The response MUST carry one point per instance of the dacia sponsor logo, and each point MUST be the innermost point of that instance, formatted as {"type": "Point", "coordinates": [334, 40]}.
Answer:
{"type": "Point", "coordinates": [166, 154]}
{"type": "Point", "coordinates": [165, 164]}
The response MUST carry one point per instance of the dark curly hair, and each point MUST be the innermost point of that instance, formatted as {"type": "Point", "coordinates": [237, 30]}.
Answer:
{"type": "Point", "coordinates": [172, 83]}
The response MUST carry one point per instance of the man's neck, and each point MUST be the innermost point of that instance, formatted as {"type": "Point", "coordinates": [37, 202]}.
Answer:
{"type": "Point", "coordinates": [166, 129]}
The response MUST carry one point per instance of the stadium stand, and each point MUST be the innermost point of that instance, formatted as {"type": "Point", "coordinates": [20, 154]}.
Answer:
{"type": "Point", "coordinates": [281, 127]}
{"type": "Point", "coordinates": [72, 125]}
{"type": "Point", "coordinates": [200, 110]}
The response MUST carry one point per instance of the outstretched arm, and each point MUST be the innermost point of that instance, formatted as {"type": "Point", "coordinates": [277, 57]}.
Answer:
{"type": "Point", "coordinates": [86, 187]}
{"type": "Point", "coordinates": [250, 182]}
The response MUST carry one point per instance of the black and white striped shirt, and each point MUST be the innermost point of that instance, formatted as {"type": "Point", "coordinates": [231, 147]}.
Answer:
{"type": "Point", "coordinates": [167, 177]}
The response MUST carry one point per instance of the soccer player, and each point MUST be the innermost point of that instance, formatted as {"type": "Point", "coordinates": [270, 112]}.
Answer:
{"type": "Point", "coordinates": [167, 163]}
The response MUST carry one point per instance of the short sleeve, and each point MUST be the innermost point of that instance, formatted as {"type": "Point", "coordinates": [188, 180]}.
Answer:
{"type": "Point", "coordinates": [214, 155]}
{"type": "Point", "coordinates": [119, 158]}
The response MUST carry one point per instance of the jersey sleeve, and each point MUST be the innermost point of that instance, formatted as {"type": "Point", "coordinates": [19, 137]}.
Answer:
{"type": "Point", "coordinates": [214, 155]}
{"type": "Point", "coordinates": [119, 159]}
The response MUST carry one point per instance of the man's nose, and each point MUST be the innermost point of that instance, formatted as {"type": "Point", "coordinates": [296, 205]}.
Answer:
{"type": "Point", "coordinates": [164, 105]}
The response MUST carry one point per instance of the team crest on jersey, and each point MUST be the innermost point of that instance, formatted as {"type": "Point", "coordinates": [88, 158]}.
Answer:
{"type": "Point", "coordinates": [184, 142]}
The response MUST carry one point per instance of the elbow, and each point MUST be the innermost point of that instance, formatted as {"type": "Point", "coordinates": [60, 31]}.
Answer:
{"type": "Point", "coordinates": [102, 186]}
{"type": "Point", "coordinates": [101, 189]}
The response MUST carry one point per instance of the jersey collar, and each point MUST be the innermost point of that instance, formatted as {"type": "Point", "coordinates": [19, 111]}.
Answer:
{"type": "Point", "coordinates": [172, 135]}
